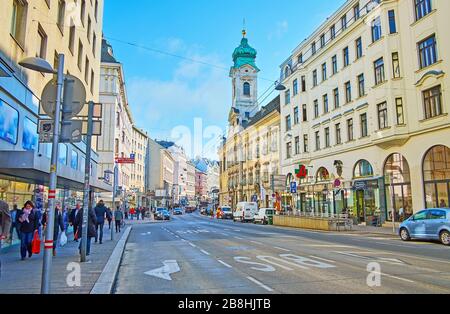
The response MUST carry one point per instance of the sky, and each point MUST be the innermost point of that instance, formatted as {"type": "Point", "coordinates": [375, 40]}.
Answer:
{"type": "Point", "coordinates": [177, 55]}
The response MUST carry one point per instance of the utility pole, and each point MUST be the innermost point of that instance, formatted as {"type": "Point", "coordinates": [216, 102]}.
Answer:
{"type": "Point", "coordinates": [87, 186]}
{"type": "Point", "coordinates": [48, 255]}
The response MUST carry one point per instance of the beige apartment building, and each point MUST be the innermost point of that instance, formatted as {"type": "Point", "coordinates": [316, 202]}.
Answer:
{"type": "Point", "coordinates": [44, 29]}
{"type": "Point", "coordinates": [138, 170]}
{"type": "Point", "coordinates": [365, 124]}
{"type": "Point", "coordinates": [117, 124]}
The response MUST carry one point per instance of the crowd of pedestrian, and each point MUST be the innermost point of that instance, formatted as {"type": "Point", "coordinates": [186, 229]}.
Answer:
{"type": "Point", "coordinates": [30, 223]}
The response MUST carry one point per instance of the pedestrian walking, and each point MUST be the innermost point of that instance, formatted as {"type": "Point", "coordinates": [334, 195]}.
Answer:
{"type": "Point", "coordinates": [59, 225]}
{"type": "Point", "coordinates": [118, 218]}
{"type": "Point", "coordinates": [100, 213]}
{"type": "Point", "coordinates": [28, 219]}
{"type": "Point", "coordinates": [91, 232]}
{"type": "Point", "coordinates": [109, 217]}
{"type": "Point", "coordinates": [14, 225]}
{"type": "Point", "coordinates": [72, 221]}
{"type": "Point", "coordinates": [5, 225]}
{"type": "Point", "coordinates": [443, 204]}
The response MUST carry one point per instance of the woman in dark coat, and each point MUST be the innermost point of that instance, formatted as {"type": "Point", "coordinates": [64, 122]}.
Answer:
{"type": "Point", "coordinates": [28, 222]}
{"type": "Point", "coordinates": [59, 225]}
{"type": "Point", "coordinates": [91, 232]}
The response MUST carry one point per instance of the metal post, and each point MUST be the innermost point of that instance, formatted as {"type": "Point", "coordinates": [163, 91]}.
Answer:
{"type": "Point", "coordinates": [391, 181]}
{"type": "Point", "coordinates": [87, 186]}
{"type": "Point", "coordinates": [48, 254]}
{"type": "Point", "coordinates": [116, 170]}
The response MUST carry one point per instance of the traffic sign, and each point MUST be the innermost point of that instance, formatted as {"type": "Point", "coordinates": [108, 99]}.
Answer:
{"type": "Point", "coordinates": [45, 131]}
{"type": "Point", "coordinates": [74, 97]}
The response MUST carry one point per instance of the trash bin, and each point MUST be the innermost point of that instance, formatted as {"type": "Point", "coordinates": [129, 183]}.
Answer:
{"type": "Point", "coordinates": [270, 220]}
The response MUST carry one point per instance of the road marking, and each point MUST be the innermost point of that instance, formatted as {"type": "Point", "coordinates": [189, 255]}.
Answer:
{"type": "Point", "coordinates": [322, 259]}
{"type": "Point", "coordinates": [224, 264]}
{"type": "Point", "coordinates": [225, 234]}
{"type": "Point", "coordinates": [395, 277]}
{"type": "Point", "coordinates": [239, 238]}
{"type": "Point", "coordinates": [256, 242]}
{"type": "Point", "coordinates": [281, 249]}
{"type": "Point", "coordinates": [260, 284]}
{"type": "Point", "coordinates": [192, 244]}
{"type": "Point", "coordinates": [184, 240]}
{"type": "Point", "coordinates": [204, 252]}
{"type": "Point", "coordinates": [170, 267]}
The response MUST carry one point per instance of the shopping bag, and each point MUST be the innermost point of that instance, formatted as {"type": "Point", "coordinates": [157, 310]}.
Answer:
{"type": "Point", "coordinates": [36, 243]}
{"type": "Point", "coordinates": [63, 239]}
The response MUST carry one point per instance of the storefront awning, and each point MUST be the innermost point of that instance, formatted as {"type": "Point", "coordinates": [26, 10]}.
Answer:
{"type": "Point", "coordinates": [26, 166]}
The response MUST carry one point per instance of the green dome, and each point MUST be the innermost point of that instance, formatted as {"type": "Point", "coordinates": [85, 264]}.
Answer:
{"type": "Point", "coordinates": [244, 54]}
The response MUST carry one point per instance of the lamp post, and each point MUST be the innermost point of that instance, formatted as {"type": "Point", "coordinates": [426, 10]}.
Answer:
{"type": "Point", "coordinates": [40, 65]}
{"type": "Point", "coordinates": [113, 210]}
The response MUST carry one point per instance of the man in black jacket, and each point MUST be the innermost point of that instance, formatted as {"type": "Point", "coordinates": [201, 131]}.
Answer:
{"type": "Point", "coordinates": [100, 213]}
{"type": "Point", "coordinates": [92, 221]}
{"type": "Point", "coordinates": [72, 220]}
{"type": "Point", "coordinates": [59, 225]}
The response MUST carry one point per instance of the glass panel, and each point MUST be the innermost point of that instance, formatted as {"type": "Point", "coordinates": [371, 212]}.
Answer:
{"type": "Point", "coordinates": [397, 168]}
{"type": "Point", "coordinates": [407, 202]}
{"type": "Point", "coordinates": [29, 136]}
{"type": "Point", "coordinates": [430, 195]}
{"type": "Point", "coordinates": [437, 164]}
{"type": "Point", "coordinates": [443, 195]}
{"type": "Point", "coordinates": [9, 123]}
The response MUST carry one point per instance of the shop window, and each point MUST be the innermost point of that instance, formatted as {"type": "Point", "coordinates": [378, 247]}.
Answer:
{"type": "Point", "coordinates": [436, 173]}
{"type": "Point", "coordinates": [29, 135]}
{"type": "Point", "coordinates": [363, 169]}
{"type": "Point", "coordinates": [9, 123]}
{"type": "Point", "coordinates": [398, 187]}
{"type": "Point", "coordinates": [323, 175]}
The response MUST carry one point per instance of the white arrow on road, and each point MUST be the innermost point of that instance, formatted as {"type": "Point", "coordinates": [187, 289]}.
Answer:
{"type": "Point", "coordinates": [170, 267]}
{"type": "Point", "coordinates": [148, 233]}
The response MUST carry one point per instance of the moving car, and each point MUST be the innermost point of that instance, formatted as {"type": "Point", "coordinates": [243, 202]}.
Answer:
{"type": "Point", "coordinates": [178, 211]}
{"type": "Point", "coordinates": [226, 212]}
{"type": "Point", "coordinates": [162, 214]}
{"type": "Point", "coordinates": [245, 211]}
{"type": "Point", "coordinates": [190, 209]}
{"type": "Point", "coordinates": [263, 215]}
{"type": "Point", "coordinates": [429, 224]}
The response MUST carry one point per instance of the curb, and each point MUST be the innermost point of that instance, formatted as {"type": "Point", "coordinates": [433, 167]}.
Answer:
{"type": "Point", "coordinates": [105, 282]}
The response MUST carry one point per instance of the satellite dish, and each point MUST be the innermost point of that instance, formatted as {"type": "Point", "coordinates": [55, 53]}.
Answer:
{"type": "Point", "coordinates": [74, 98]}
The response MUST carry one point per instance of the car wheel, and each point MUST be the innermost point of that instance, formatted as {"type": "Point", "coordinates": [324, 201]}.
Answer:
{"type": "Point", "coordinates": [445, 237]}
{"type": "Point", "coordinates": [404, 235]}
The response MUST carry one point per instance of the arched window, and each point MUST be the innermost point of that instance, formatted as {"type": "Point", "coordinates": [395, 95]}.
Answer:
{"type": "Point", "coordinates": [322, 175]}
{"type": "Point", "coordinates": [247, 89]}
{"type": "Point", "coordinates": [436, 175]}
{"type": "Point", "coordinates": [398, 187]}
{"type": "Point", "coordinates": [363, 169]}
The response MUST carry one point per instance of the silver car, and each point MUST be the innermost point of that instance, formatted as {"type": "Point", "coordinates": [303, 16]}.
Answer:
{"type": "Point", "coordinates": [429, 224]}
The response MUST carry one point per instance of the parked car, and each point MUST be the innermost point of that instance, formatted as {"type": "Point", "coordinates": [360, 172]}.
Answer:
{"type": "Point", "coordinates": [263, 215]}
{"type": "Point", "coordinates": [429, 224]}
{"type": "Point", "coordinates": [245, 211]}
{"type": "Point", "coordinates": [178, 211]}
{"type": "Point", "coordinates": [226, 212]}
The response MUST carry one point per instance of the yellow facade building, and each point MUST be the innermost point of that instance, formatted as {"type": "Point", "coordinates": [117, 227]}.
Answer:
{"type": "Point", "coordinates": [366, 112]}
{"type": "Point", "coordinates": [249, 156]}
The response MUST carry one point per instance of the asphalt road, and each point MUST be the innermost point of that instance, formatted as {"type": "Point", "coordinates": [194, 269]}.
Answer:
{"type": "Point", "coordinates": [193, 254]}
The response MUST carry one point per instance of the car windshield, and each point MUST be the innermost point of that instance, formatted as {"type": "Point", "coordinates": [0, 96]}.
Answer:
{"type": "Point", "coordinates": [160, 209]}
{"type": "Point", "coordinates": [225, 209]}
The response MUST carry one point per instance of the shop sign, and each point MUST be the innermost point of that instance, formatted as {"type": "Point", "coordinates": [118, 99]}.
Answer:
{"type": "Point", "coordinates": [302, 172]}
{"type": "Point", "coordinates": [359, 185]}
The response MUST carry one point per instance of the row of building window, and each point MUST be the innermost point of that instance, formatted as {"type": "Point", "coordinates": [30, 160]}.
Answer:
{"type": "Point", "coordinates": [433, 107]}
{"type": "Point", "coordinates": [422, 8]}
{"type": "Point", "coordinates": [18, 30]}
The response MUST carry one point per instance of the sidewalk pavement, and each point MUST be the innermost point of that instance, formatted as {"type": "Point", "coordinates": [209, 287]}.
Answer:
{"type": "Point", "coordinates": [24, 277]}
{"type": "Point", "coordinates": [388, 231]}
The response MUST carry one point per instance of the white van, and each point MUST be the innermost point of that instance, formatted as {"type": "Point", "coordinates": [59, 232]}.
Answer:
{"type": "Point", "coordinates": [245, 211]}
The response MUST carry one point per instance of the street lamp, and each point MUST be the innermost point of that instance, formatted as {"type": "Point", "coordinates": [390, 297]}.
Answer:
{"type": "Point", "coordinates": [41, 65]}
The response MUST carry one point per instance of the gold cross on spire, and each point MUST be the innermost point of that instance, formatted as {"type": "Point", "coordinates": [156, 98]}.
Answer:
{"type": "Point", "coordinates": [244, 32]}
